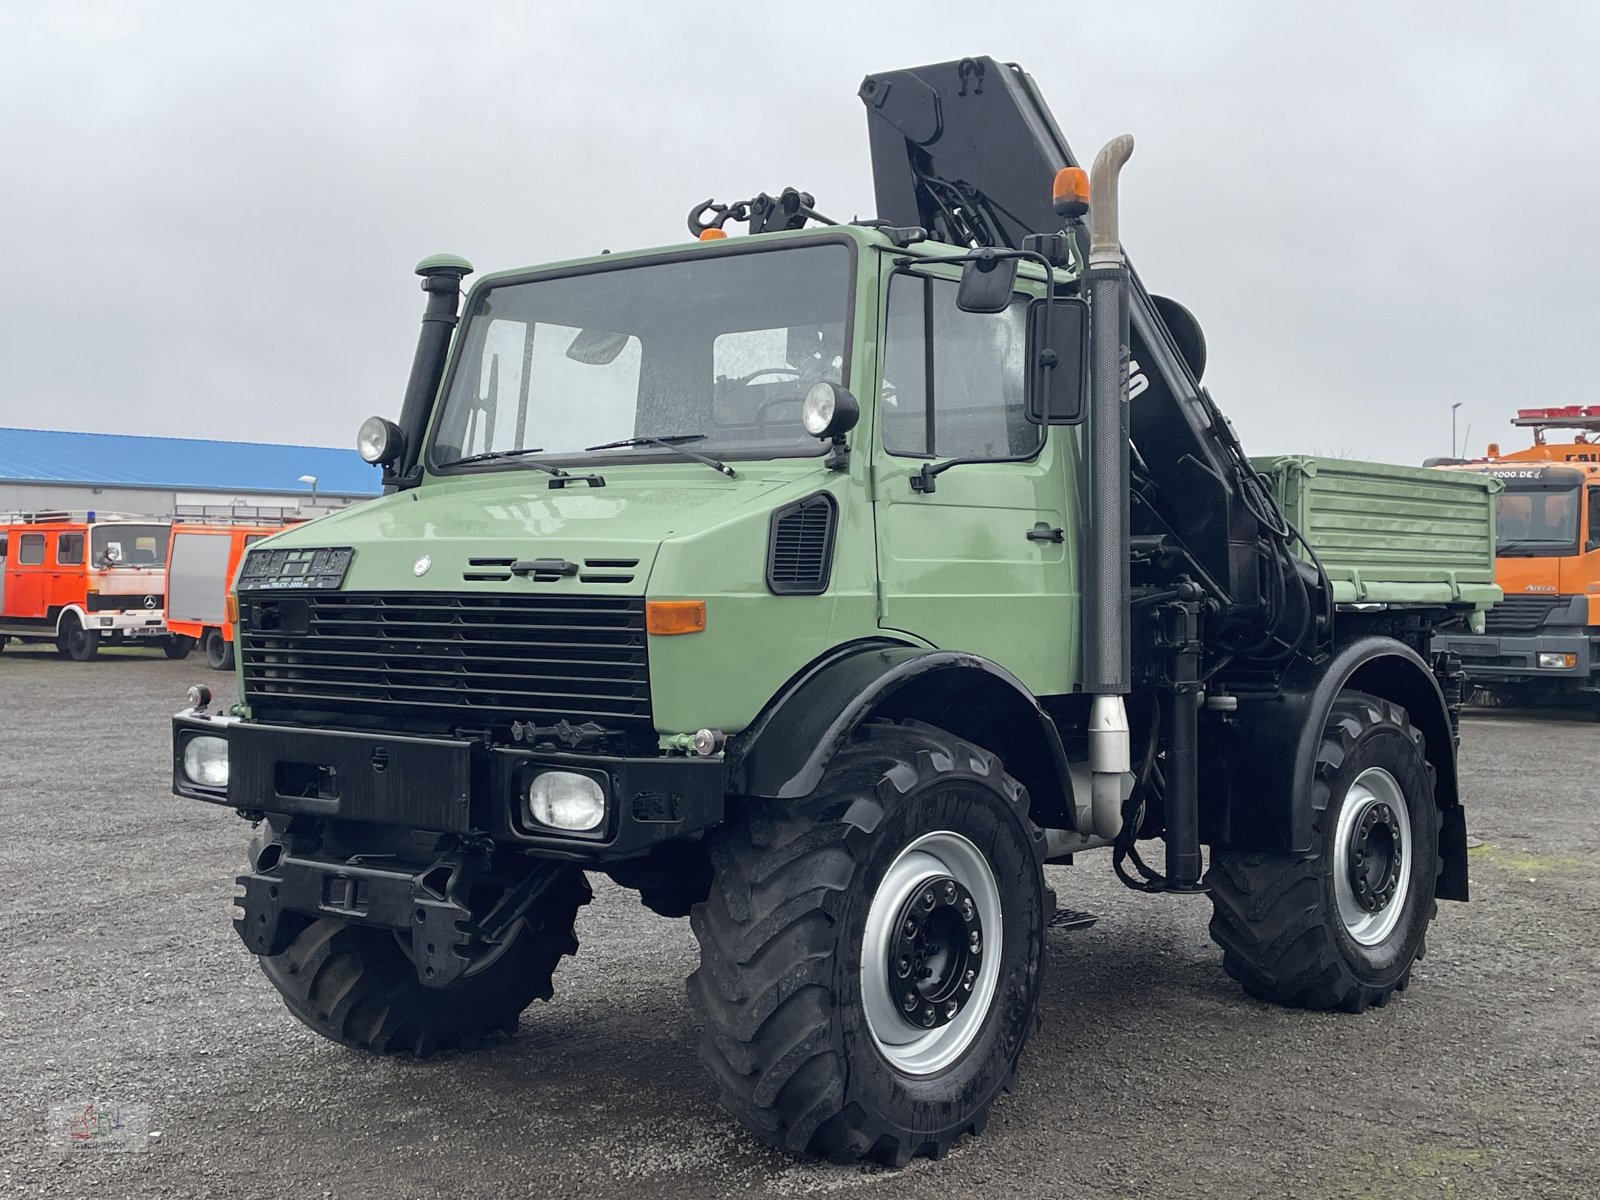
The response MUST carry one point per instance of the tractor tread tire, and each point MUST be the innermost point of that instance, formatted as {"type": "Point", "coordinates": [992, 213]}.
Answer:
{"type": "Point", "coordinates": [764, 989]}
{"type": "Point", "coordinates": [355, 985]}
{"type": "Point", "coordinates": [1271, 911]}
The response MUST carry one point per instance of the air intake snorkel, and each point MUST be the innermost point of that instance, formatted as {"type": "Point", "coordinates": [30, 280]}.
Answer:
{"type": "Point", "coordinates": [441, 279]}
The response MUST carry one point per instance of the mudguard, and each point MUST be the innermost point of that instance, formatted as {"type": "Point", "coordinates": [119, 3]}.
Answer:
{"type": "Point", "coordinates": [1256, 781]}
{"type": "Point", "coordinates": [784, 753]}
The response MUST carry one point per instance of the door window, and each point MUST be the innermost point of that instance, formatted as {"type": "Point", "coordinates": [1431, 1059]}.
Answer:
{"type": "Point", "coordinates": [69, 549]}
{"type": "Point", "coordinates": [952, 380]}
{"type": "Point", "coordinates": [1594, 519]}
{"type": "Point", "coordinates": [30, 549]}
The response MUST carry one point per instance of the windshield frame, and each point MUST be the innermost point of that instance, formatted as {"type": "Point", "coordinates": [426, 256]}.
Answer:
{"type": "Point", "coordinates": [1531, 547]}
{"type": "Point", "coordinates": [100, 530]}
{"type": "Point", "coordinates": [754, 244]}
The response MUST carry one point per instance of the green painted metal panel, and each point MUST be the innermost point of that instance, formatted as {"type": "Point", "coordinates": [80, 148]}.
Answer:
{"type": "Point", "coordinates": [1390, 533]}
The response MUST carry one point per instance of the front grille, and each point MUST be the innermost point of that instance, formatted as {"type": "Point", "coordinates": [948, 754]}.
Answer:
{"type": "Point", "coordinates": [1520, 614]}
{"type": "Point", "coordinates": [104, 602]}
{"type": "Point", "coordinates": [450, 659]}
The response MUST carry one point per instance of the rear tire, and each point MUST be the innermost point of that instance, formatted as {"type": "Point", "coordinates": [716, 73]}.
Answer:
{"type": "Point", "coordinates": [1340, 926]}
{"type": "Point", "coordinates": [74, 641]}
{"type": "Point", "coordinates": [219, 652]}
{"type": "Point", "coordinates": [177, 646]}
{"type": "Point", "coordinates": [829, 1029]}
{"type": "Point", "coordinates": [356, 985]}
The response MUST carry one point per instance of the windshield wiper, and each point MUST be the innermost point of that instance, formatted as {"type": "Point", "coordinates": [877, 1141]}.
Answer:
{"type": "Point", "coordinates": [1556, 544]}
{"type": "Point", "coordinates": [559, 479]}
{"type": "Point", "coordinates": [670, 442]}
{"type": "Point", "coordinates": [492, 455]}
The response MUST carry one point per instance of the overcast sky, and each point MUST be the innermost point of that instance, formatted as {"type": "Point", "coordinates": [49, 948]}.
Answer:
{"type": "Point", "coordinates": [210, 212]}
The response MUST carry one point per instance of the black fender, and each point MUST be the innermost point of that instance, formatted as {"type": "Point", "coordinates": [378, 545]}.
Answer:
{"type": "Point", "coordinates": [1257, 782]}
{"type": "Point", "coordinates": [784, 752]}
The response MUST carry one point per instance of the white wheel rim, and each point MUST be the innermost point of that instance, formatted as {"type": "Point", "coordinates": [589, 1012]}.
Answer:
{"type": "Point", "coordinates": [909, 1047]}
{"type": "Point", "coordinates": [1373, 816]}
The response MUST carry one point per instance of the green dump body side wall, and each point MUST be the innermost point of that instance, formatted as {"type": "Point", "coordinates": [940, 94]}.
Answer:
{"type": "Point", "coordinates": [1392, 534]}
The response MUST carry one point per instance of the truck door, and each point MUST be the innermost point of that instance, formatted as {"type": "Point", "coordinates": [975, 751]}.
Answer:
{"type": "Point", "coordinates": [975, 564]}
{"type": "Point", "coordinates": [28, 575]}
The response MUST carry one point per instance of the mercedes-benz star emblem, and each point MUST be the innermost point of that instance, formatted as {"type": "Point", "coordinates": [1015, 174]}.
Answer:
{"type": "Point", "coordinates": [420, 567]}
{"type": "Point", "coordinates": [149, 601]}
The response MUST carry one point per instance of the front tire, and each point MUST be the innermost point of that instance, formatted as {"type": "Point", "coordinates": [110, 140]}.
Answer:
{"type": "Point", "coordinates": [356, 985]}
{"type": "Point", "coordinates": [177, 646]}
{"type": "Point", "coordinates": [1341, 926]}
{"type": "Point", "coordinates": [871, 956]}
{"type": "Point", "coordinates": [76, 642]}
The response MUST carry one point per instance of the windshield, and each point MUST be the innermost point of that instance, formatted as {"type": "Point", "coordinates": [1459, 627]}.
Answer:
{"type": "Point", "coordinates": [724, 346]}
{"type": "Point", "coordinates": [129, 545]}
{"type": "Point", "coordinates": [1536, 521]}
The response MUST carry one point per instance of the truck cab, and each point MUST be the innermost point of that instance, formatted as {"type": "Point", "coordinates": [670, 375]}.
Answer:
{"type": "Point", "coordinates": [80, 579]}
{"type": "Point", "coordinates": [1541, 644]}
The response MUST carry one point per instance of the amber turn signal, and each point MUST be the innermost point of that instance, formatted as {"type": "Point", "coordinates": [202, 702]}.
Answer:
{"type": "Point", "coordinates": [675, 616]}
{"type": "Point", "coordinates": [1069, 195]}
{"type": "Point", "coordinates": [712, 234]}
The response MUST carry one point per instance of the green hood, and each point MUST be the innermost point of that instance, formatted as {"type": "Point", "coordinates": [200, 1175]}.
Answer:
{"type": "Point", "coordinates": [611, 532]}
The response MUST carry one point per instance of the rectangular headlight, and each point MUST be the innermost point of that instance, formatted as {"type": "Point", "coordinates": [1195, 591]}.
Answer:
{"type": "Point", "coordinates": [566, 800]}
{"type": "Point", "coordinates": [1557, 662]}
{"type": "Point", "coordinates": [205, 761]}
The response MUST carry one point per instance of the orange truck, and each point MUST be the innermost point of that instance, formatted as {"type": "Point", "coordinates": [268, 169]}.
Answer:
{"type": "Point", "coordinates": [202, 560]}
{"type": "Point", "coordinates": [83, 579]}
{"type": "Point", "coordinates": [1541, 644]}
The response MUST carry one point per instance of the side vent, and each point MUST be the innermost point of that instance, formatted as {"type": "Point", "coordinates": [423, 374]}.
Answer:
{"type": "Point", "coordinates": [487, 570]}
{"type": "Point", "coordinates": [800, 546]}
{"type": "Point", "coordinates": [608, 570]}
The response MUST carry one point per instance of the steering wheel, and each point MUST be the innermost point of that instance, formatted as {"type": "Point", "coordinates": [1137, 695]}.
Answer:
{"type": "Point", "coordinates": [754, 375]}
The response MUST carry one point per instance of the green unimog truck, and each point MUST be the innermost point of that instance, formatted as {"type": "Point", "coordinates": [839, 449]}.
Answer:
{"type": "Point", "coordinates": [822, 584]}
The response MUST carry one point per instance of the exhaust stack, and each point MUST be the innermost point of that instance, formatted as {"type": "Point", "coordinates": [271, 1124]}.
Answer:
{"type": "Point", "coordinates": [1107, 671]}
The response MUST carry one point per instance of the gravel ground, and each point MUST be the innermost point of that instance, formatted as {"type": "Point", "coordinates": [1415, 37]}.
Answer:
{"type": "Point", "coordinates": [124, 985]}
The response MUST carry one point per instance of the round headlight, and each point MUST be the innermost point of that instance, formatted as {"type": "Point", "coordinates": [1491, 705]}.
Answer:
{"type": "Point", "coordinates": [205, 761]}
{"type": "Point", "coordinates": [566, 800]}
{"type": "Point", "coordinates": [817, 413]}
{"type": "Point", "coordinates": [378, 440]}
{"type": "Point", "coordinates": [828, 411]}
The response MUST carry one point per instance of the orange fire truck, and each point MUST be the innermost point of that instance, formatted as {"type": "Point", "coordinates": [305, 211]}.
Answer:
{"type": "Point", "coordinates": [202, 560]}
{"type": "Point", "coordinates": [78, 579]}
{"type": "Point", "coordinates": [1542, 642]}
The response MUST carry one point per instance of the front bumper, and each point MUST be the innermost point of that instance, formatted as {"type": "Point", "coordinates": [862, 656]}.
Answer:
{"type": "Point", "coordinates": [137, 622]}
{"type": "Point", "coordinates": [448, 785]}
{"type": "Point", "coordinates": [1506, 658]}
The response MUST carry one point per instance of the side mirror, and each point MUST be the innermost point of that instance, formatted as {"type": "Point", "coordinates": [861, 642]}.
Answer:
{"type": "Point", "coordinates": [1058, 360]}
{"type": "Point", "coordinates": [988, 283]}
{"type": "Point", "coordinates": [380, 441]}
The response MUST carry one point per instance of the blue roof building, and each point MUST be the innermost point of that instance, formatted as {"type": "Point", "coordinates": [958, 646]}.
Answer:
{"type": "Point", "coordinates": [44, 468]}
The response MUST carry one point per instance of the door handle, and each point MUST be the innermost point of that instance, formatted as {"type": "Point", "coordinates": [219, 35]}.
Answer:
{"type": "Point", "coordinates": [1043, 533]}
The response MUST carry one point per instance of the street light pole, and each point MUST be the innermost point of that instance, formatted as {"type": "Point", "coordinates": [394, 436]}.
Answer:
{"type": "Point", "coordinates": [312, 480]}
{"type": "Point", "coordinates": [1453, 408]}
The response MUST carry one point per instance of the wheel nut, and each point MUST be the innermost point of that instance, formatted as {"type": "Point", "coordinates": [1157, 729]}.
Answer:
{"type": "Point", "coordinates": [975, 942]}
{"type": "Point", "coordinates": [949, 892]}
{"type": "Point", "coordinates": [966, 910]}
{"type": "Point", "coordinates": [910, 1002]}
{"type": "Point", "coordinates": [903, 967]}
{"type": "Point", "coordinates": [950, 1010]}
{"type": "Point", "coordinates": [929, 899]}
{"type": "Point", "coordinates": [910, 928]}
{"type": "Point", "coordinates": [968, 980]}
{"type": "Point", "coordinates": [928, 1017]}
